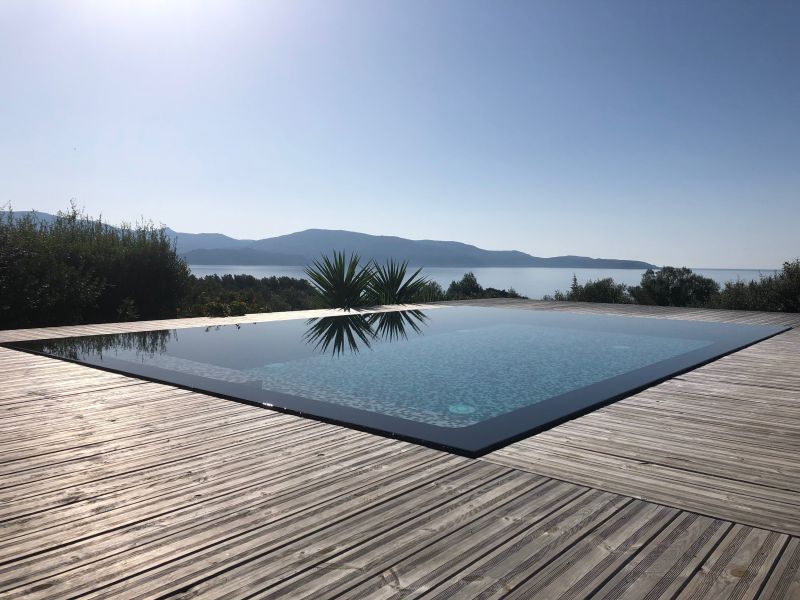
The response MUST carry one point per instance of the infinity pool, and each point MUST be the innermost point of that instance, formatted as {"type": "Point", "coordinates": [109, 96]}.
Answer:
{"type": "Point", "coordinates": [464, 379]}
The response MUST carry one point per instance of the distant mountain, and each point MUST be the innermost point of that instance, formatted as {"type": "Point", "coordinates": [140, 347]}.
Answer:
{"type": "Point", "coordinates": [302, 247]}
{"type": "Point", "coordinates": [314, 242]}
{"type": "Point", "coordinates": [40, 216]}
{"type": "Point", "coordinates": [188, 242]}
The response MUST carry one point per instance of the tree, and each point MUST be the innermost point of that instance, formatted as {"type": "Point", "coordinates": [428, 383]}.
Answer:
{"type": "Point", "coordinates": [468, 287]}
{"type": "Point", "coordinates": [673, 286]}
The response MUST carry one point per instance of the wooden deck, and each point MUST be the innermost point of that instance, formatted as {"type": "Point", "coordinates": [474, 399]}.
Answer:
{"type": "Point", "coordinates": [112, 487]}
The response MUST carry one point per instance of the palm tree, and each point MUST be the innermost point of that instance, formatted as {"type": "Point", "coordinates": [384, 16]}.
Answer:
{"type": "Point", "coordinates": [340, 282]}
{"type": "Point", "coordinates": [389, 284]}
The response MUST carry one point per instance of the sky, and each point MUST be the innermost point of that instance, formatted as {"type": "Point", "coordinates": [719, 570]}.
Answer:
{"type": "Point", "coordinates": [661, 131]}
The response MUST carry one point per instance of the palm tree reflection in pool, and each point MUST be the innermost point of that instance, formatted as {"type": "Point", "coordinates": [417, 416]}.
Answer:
{"type": "Point", "coordinates": [391, 325]}
{"type": "Point", "coordinates": [346, 332]}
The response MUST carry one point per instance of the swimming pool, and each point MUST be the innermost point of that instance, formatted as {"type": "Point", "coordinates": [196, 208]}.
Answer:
{"type": "Point", "coordinates": [464, 379]}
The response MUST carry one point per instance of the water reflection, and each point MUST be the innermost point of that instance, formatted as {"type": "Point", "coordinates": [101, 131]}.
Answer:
{"type": "Point", "coordinates": [336, 335]}
{"type": "Point", "coordinates": [145, 343]}
{"type": "Point", "coordinates": [336, 332]}
{"type": "Point", "coordinates": [347, 332]}
{"type": "Point", "coordinates": [391, 326]}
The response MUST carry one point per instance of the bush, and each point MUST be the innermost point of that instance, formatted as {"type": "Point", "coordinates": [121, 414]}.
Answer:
{"type": "Point", "coordinates": [80, 270]}
{"type": "Point", "coordinates": [230, 295]}
{"type": "Point", "coordinates": [216, 309]}
{"type": "Point", "coordinates": [672, 286]}
{"type": "Point", "coordinates": [602, 290]}
{"type": "Point", "coordinates": [237, 308]}
{"type": "Point", "coordinates": [468, 287]}
{"type": "Point", "coordinates": [779, 292]}
{"type": "Point", "coordinates": [430, 292]}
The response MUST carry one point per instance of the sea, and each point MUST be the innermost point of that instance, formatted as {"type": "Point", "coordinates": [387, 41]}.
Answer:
{"type": "Point", "coordinates": [533, 282]}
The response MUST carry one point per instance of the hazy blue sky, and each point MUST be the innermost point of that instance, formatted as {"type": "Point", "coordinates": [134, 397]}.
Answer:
{"type": "Point", "coordinates": [663, 131]}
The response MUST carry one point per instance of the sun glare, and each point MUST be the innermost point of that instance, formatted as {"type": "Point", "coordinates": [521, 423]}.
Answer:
{"type": "Point", "coordinates": [147, 14]}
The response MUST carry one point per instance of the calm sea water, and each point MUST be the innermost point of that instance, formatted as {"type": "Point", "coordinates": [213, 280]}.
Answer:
{"type": "Point", "coordinates": [533, 282]}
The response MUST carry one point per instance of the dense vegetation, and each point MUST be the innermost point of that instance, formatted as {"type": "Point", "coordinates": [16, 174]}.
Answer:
{"type": "Point", "coordinates": [231, 295]}
{"type": "Point", "coordinates": [779, 292]}
{"type": "Point", "coordinates": [673, 286]}
{"type": "Point", "coordinates": [80, 270]}
{"type": "Point", "coordinates": [602, 290]}
{"type": "Point", "coordinates": [469, 288]}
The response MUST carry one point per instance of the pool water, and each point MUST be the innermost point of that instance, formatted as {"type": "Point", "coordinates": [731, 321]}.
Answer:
{"type": "Point", "coordinates": [465, 379]}
{"type": "Point", "coordinates": [459, 377]}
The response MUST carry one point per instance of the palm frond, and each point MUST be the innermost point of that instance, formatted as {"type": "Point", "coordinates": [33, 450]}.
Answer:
{"type": "Point", "coordinates": [341, 282]}
{"type": "Point", "coordinates": [391, 325]}
{"type": "Point", "coordinates": [337, 333]}
{"type": "Point", "coordinates": [390, 285]}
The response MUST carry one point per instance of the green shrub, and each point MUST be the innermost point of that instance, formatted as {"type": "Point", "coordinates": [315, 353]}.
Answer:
{"type": "Point", "coordinates": [779, 292]}
{"type": "Point", "coordinates": [602, 290]}
{"type": "Point", "coordinates": [673, 286]}
{"type": "Point", "coordinates": [491, 292]}
{"type": "Point", "coordinates": [467, 288]}
{"type": "Point", "coordinates": [248, 294]}
{"type": "Point", "coordinates": [127, 310]}
{"type": "Point", "coordinates": [237, 308]}
{"type": "Point", "coordinates": [80, 270]}
{"type": "Point", "coordinates": [430, 292]}
{"type": "Point", "coordinates": [217, 309]}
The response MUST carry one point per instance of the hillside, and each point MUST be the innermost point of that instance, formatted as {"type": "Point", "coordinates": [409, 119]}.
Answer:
{"type": "Point", "coordinates": [307, 245]}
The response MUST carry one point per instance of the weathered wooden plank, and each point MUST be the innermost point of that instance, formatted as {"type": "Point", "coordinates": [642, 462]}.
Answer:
{"type": "Point", "coordinates": [668, 562]}
{"type": "Point", "coordinates": [580, 571]}
{"type": "Point", "coordinates": [738, 567]}
{"type": "Point", "coordinates": [484, 514]}
{"type": "Point", "coordinates": [215, 548]}
{"type": "Point", "coordinates": [784, 581]}
{"type": "Point", "coordinates": [437, 563]}
{"type": "Point", "coordinates": [33, 515]}
{"type": "Point", "coordinates": [505, 567]}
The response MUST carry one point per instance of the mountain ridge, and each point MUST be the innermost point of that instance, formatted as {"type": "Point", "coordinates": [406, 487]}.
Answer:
{"type": "Point", "coordinates": [301, 247]}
